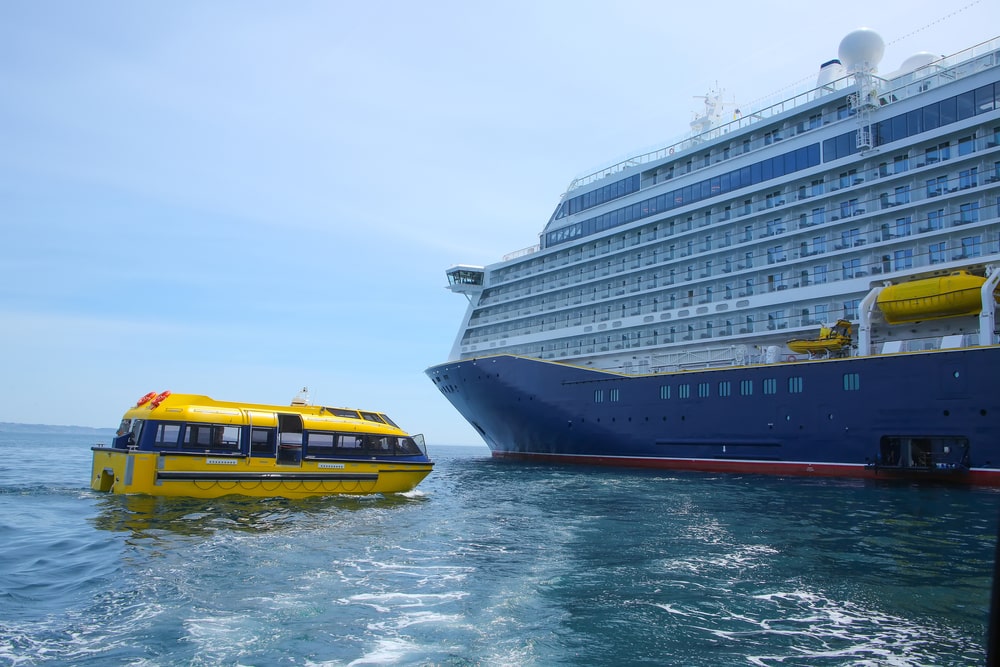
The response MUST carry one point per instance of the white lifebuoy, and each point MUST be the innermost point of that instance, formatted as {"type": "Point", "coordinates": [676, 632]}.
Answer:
{"type": "Point", "coordinates": [671, 151]}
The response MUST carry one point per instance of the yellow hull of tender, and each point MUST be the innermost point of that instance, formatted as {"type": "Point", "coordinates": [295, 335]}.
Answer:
{"type": "Point", "coordinates": [817, 345]}
{"type": "Point", "coordinates": [212, 476]}
{"type": "Point", "coordinates": [194, 446]}
{"type": "Point", "coordinates": [932, 298]}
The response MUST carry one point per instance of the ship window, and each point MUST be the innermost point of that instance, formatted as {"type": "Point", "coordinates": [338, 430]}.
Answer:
{"type": "Point", "coordinates": [372, 417]}
{"type": "Point", "coordinates": [746, 387]}
{"type": "Point", "coordinates": [167, 435]}
{"type": "Point", "coordinates": [795, 385]}
{"type": "Point", "coordinates": [724, 389]}
{"type": "Point", "coordinates": [969, 213]}
{"type": "Point", "coordinates": [971, 247]}
{"type": "Point", "coordinates": [770, 386]}
{"type": "Point", "coordinates": [598, 396]}
{"type": "Point", "coordinates": [852, 382]}
{"type": "Point", "coordinates": [965, 146]}
{"type": "Point", "coordinates": [985, 101]}
{"type": "Point", "coordinates": [937, 252]}
{"type": "Point", "coordinates": [613, 395]}
{"type": "Point", "coordinates": [704, 390]}
{"type": "Point", "coordinates": [903, 259]}
{"type": "Point", "coordinates": [665, 391]}
{"type": "Point", "coordinates": [684, 391]}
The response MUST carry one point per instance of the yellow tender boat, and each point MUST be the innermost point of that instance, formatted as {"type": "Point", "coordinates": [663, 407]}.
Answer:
{"type": "Point", "coordinates": [190, 445]}
{"type": "Point", "coordinates": [831, 340]}
{"type": "Point", "coordinates": [932, 298]}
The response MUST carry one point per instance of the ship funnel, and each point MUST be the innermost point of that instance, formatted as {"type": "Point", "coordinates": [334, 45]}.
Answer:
{"type": "Point", "coordinates": [829, 72]}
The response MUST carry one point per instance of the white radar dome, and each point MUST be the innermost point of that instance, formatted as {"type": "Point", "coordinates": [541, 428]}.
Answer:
{"type": "Point", "coordinates": [861, 49]}
{"type": "Point", "coordinates": [916, 61]}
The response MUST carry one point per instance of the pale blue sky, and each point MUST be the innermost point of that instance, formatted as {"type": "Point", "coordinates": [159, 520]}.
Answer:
{"type": "Point", "coordinates": [239, 198]}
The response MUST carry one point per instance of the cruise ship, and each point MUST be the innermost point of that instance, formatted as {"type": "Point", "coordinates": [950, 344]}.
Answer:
{"type": "Point", "coordinates": [806, 288]}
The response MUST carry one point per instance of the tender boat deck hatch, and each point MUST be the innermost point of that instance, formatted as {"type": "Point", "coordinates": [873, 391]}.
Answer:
{"type": "Point", "coordinates": [289, 439]}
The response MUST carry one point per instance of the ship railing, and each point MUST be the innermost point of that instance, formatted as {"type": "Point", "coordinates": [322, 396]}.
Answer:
{"type": "Point", "coordinates": [522, 252]}
{"type": "Point", "coordinates": [946, 70]}
{"type": "Point", "coordinates": [713, 357]}
{"type": "Point", "coordinates": [964, 63]}
{"type": "Point", "coordinates": [766, 111]}
{"type": "Point", "coordinates": [929, 343]}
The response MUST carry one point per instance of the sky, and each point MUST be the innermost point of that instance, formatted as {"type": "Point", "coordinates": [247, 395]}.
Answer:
{"type": "Point", "coordinates": [240, 198]}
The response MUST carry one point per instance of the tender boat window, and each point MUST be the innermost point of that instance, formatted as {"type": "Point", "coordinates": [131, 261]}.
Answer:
{"type": "Point", "coordinates": [262, 442]}
{"type": "Point", "coordinates": [167, 435]}
{"type": "Point", "coordinates": [341, 412]}
{"type": "Point", "coordinates": [408, 446]}
{"type": "Point", "coordinates": [372, 417]}
{"type": "Point", "coordinates": [207, 436]}
{"type": "Point", "coordinates": [319, 444]}
{"type": "Point", "coordinates": [352, 442]}
{"type": "Point", "coordinates": [136, 433]}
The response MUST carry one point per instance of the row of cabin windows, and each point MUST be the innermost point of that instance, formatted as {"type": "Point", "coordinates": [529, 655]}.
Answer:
{"type": "Point", "coordinates": [852, 177]}
{"type": "Point", "coordinates": [769, 386]}
{"type": "Point", "coordinates": [659, 257]}
{"type": "Point", "coordinates": [958, 248]}
{"type": "Point", "coordinates": [937, 114]}
{"type": "Point", "coordinates": [262, 440]}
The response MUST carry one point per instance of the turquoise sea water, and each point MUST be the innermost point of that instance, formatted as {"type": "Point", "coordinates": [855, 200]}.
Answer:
{"type": "Point", "coordinates": [492, 563]}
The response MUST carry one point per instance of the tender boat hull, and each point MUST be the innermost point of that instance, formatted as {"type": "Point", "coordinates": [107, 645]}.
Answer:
{"type": "Point", "coordinates": [194, 446]}
{"type": "Point", "coordinates": [159, 474]}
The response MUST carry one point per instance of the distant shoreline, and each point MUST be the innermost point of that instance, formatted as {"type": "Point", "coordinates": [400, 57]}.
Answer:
{"type": "Point", "coordinates": [12, 427]}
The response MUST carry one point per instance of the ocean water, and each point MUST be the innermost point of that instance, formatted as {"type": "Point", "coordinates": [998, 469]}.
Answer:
{"type": "Point", "coordinates": [491, 563]}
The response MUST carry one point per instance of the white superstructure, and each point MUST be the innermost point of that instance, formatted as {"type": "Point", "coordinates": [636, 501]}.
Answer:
{"type": "Point", "coordinates": [760, 228]}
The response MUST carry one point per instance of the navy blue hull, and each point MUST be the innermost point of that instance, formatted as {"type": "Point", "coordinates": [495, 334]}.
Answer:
{"type": "Point", "coordinates": [932, 414]}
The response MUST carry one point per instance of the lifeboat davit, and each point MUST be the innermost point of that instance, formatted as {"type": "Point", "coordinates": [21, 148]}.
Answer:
{"type": "Point", "coordinates": [830, 340]}
{"type": "Point", "coordinates": [953, 295]}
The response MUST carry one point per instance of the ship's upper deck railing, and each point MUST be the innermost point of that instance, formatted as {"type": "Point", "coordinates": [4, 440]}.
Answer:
{"type": "Point", "coordinates": [944, 70]}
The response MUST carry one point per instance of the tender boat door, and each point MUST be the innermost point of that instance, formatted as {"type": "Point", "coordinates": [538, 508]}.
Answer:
{"type": "Point", "coordinates": [289, 439]}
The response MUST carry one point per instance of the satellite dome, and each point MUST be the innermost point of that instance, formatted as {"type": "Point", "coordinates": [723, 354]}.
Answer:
{"type": "Point", "coordinates": [861, 49]}
{"type": "Point", "coordinates": [916, 61]}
